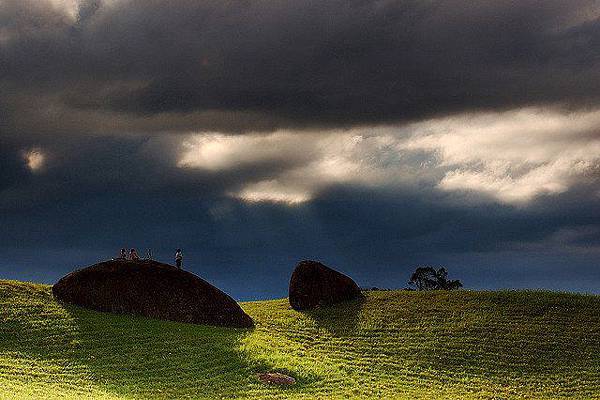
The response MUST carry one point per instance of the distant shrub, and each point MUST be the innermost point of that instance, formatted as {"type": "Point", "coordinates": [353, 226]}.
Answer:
{"type": "Point", "coordinates": [375, 289]}
{"type": "Point", "coordinates": [428, 278]}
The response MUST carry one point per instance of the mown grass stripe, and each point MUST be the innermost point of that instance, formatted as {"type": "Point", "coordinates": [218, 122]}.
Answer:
{"type": "Point", "coordinates": [460, 345]}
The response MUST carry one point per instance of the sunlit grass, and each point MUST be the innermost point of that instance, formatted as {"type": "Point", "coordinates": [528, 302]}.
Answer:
{"type": "Point", "coordinates": [461, 345]}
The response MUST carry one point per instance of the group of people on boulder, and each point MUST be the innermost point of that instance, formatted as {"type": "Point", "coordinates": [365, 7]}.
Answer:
{"type": "Point", "coordinates": [134, 256]}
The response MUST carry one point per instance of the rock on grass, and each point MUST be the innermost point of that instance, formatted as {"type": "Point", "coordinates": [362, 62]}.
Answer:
{"type": "Point", "coordinates": [151, 289]}
{"type": "Point", "coordinates": [314, 285]}
{"type": "Point", "coordinates": [275, 378]}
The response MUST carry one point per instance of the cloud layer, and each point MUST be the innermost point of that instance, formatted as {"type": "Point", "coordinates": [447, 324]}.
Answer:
{"type": "Point", "coordinates": [375, 135]}
{"type": "Point", "coordinates": [246, 65]}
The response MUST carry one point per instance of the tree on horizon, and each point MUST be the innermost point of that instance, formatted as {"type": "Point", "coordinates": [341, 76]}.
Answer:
{"type": "Point", "coordinates": [428, 278]}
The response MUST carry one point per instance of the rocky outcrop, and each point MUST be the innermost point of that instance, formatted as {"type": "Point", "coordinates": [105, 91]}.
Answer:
{"type": "Point", "coordinates": [150, 289]}
{"type": "Point", "coordinates": [314, 285]}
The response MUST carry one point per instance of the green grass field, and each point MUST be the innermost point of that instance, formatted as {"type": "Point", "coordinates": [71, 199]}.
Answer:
{"type": "Point", "coordinates": [455, 345]}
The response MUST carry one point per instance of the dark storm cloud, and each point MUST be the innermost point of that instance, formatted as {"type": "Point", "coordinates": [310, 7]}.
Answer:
{"type": "Point", "coordinates": [94, 196]}
{"type": "Point", "coordinates": [296, 63]}
{"type": "Point", "coordinates": [377, 235]}
{"type": "Point", "coordinates": [108, 92]}
{"type": "Point", "coordinates": [95, 192]}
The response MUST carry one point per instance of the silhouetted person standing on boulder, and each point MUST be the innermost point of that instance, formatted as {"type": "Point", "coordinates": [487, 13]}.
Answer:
{"type": "Point", "coordinates": [133, 255]}
{"type": "Point", "coordinates": [123, 254]}
{"type": "Point", "coordinates": [178, 258]}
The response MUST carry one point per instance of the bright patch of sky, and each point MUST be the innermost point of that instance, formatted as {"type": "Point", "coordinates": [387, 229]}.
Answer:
{"type": "Point", "coordinates": [34, 159]}
{"type": "Point", "coordinates": [510, 157]}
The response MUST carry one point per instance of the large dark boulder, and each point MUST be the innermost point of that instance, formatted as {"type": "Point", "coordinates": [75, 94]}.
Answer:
{"type": "Point", "coordinates": [314, 285]}
{"type": "Point", "coordinates": [151, 289]}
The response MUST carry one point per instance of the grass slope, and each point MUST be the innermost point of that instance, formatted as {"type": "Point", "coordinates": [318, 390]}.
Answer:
{"type": "Point", "coordinates": [459, 345]}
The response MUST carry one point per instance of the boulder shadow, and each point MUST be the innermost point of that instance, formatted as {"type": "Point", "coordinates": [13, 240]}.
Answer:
{"type": "Point", "coordinates": [133, 355]}
{"type": "Point", "coordinates": [130, 356]}
{"type": "Point", "coordinates": [340, 319]}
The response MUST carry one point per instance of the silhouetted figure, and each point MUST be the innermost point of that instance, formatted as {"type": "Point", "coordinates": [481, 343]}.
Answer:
{"type": "Point", "coordinates": [133, 255]}
{"type": "Point", "coordinates": [123, 254]}
{"type": "Point", "coordinates": [149, 254]}
{"type": "Point", "coordinates": [178, 258]}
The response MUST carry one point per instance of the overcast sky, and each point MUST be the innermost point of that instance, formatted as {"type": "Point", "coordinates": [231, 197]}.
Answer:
{"type": "Point", "coordinates": [375, 136]}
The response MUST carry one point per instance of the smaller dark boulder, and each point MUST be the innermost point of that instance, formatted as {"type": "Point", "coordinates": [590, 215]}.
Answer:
{"type": "Point", "coordinates": [314, 285]}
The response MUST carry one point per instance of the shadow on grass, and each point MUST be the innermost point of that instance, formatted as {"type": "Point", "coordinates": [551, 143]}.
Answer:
{"type": "Point", "coordinates": [148, 358]}
{"type": "Point", "coordinates": [134, 356]}
{"type": "Point", "coordinates": [126, 355]}
{"type": "Point", "coordinates": [340, 319]}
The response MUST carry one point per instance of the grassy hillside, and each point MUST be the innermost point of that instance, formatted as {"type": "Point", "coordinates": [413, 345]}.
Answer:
{"type": "Point", "coordinates": [462, 345]}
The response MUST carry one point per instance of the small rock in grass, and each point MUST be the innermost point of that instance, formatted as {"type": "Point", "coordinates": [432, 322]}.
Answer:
{"type": "Point", "coordinates": [275, 378]}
